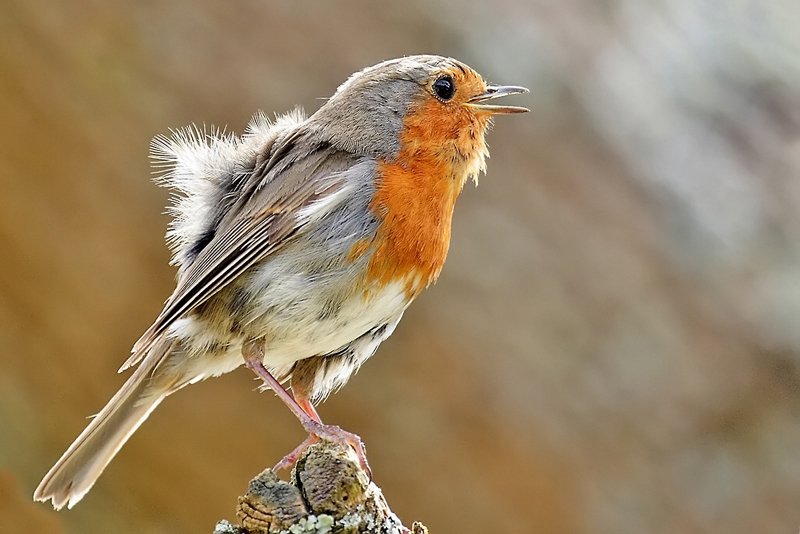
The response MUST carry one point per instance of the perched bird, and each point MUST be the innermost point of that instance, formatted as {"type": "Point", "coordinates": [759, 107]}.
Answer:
{"type": "Point", "coordinates": [299, 246]}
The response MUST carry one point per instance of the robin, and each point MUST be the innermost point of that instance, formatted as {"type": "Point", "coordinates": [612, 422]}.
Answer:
{"type": "Point", "coordinates": [299, 246]}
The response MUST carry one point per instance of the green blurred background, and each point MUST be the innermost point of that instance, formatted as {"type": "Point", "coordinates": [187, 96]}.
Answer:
{"type": "Point", "coordinates": [613, 346]}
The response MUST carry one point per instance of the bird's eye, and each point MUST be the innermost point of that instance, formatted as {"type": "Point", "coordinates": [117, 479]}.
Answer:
{"type": "Point", "coordinates": [444, 88]}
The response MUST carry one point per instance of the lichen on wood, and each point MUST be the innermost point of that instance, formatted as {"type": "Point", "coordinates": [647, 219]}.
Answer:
{"type": "Point", "coordinates": [328, 493]}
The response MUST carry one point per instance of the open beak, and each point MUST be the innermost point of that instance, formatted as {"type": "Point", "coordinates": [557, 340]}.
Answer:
{"type": "Point", "coordinates": [496, 91]}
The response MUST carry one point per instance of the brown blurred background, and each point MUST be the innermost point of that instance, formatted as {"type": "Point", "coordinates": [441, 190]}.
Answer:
{"type": "Point", "coordinates": [613, 346]}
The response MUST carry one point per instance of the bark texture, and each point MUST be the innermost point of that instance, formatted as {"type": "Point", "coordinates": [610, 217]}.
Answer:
{"type": "Point", "coordinates": [328, 493]}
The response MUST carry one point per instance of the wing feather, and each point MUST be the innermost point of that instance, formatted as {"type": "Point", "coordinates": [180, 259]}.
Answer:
{"type": "Point", "coordinates": [269, 212]}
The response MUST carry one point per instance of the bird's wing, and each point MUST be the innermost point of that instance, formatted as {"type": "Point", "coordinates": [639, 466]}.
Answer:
{"type": "Point", "coordinates": [297, 184]}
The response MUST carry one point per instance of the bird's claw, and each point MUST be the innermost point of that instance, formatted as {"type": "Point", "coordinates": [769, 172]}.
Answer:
{"type": "Point", "coordinates": [318, 431]}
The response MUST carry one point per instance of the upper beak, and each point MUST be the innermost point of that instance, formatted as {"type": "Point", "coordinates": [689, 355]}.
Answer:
{"type": "Point", "coordinates": [496, 91]}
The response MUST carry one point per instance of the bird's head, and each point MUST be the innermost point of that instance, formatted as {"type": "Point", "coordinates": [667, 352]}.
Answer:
{"type": "Point", "coordinates": [433, 102]}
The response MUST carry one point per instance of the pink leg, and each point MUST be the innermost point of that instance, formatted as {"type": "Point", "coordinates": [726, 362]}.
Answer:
{"type": "Point", "coordinates": [253, 352]}
{"type": "Point", "coordinates": [307, 407]}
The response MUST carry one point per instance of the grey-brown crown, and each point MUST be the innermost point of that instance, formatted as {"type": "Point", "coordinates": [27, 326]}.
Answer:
{"type": "Point", "coordinates": [366, 113]}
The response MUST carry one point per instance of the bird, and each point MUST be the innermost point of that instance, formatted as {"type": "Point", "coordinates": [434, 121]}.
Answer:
{"type": "Point", "coordinates": [299, 245]}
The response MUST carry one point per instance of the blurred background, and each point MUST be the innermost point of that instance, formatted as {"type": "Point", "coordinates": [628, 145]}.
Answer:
{"type": "Point", "coordinates": [614, 343]}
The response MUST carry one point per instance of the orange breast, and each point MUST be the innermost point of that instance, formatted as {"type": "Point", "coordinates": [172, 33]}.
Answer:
{"type": "Point", "coordinates": [417, 192]}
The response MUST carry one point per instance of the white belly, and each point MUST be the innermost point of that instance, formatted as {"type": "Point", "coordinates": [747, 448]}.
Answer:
{"type": "Point", "coordinates": [299, 332]}
{"type": "Point", "coordinates": [287, 314]}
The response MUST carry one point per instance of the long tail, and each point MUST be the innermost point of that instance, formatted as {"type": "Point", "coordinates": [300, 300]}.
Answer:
{"type": "Point", "coordinates": [78, 468]}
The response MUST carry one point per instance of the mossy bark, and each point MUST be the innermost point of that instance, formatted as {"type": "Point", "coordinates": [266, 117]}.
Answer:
{"type": "Point", "coordinates": [328, 494]}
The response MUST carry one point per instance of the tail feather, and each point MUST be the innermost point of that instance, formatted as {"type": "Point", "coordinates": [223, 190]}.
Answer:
{"type": "Point", "coordinates": [76, 471]}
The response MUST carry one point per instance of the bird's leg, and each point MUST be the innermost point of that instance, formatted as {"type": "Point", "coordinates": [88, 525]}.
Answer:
{"type": "Point", "coordinates": [253, 352]}
{"type": "Point", "coordinates": [308, 407]}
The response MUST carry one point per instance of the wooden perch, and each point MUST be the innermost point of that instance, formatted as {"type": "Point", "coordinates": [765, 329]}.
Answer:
{"type": "Point", "coordinates": [328, 493]}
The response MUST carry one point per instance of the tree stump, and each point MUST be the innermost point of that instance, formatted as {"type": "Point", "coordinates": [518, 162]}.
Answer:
{"type": "Point", "coordinates": [328, 493]}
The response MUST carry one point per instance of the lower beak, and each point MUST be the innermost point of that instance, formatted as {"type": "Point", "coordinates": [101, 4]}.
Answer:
{"type": "Point", "coordinates": [496, 91]}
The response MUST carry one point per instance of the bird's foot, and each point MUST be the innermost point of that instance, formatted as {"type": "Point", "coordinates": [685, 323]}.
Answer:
{"type": "Point", "coordinates": [290, 459]}
{"type": "Point", "coordinates": [318, 431]}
